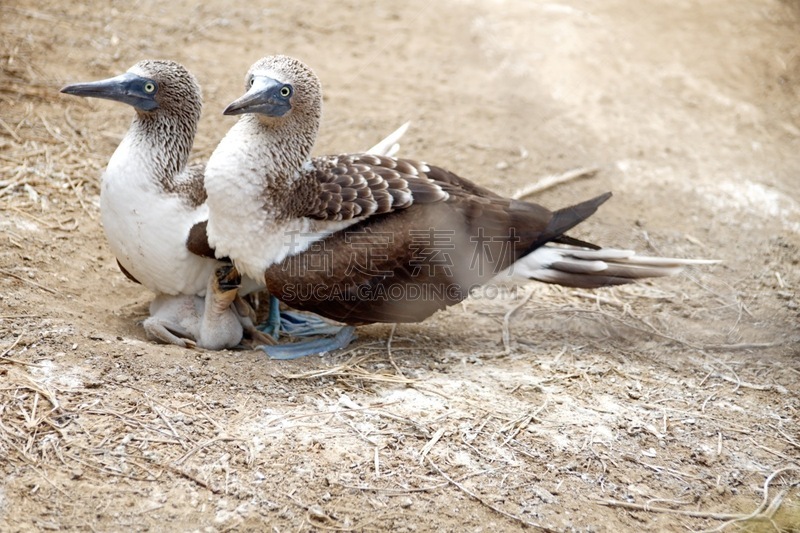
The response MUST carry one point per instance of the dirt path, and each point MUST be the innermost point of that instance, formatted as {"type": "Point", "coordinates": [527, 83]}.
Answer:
{"type": "Point", "coordinates": [660, 407]}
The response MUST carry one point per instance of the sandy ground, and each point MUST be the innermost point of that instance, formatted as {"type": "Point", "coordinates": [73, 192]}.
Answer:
{"type": "Point", "coordinates": [671, 405]}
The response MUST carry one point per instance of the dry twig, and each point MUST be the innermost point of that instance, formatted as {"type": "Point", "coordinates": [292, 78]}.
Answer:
{"type": "Point", "coordinates": [507, 320]}
{"type": "Point", "coordinates": [29, 281]}
{"type": "Point", "coordinates": [765, 511]}
{"type": "Point", "coordinates": [548, 182]}
{"type": "Point", "coordinates": [494, 508]}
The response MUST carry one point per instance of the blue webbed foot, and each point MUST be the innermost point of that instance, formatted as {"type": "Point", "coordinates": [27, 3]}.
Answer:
{"type": "Point", "coordinates": [295, 350]}
{"type": "Point", "coordinates": [295, 324]}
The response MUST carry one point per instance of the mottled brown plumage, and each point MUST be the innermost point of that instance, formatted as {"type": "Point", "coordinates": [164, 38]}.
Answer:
{"type": "Point", "coordinates": [405, 265]}
{"type": "Point", "coordinates": [364, 239]}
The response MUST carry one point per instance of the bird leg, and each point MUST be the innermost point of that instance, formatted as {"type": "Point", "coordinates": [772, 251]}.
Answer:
{"type": "Point", "coordinates": [224, 295]}
{"type": "Point", "coordinates": [247, 316]}
{"type": "Point", "coordinates": [298, 324]}
{"type": "Point", "coordinates": [272, 326]}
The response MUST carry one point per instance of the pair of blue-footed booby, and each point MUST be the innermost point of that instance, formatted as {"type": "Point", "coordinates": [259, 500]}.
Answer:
{"type": "Point", "coordinates": [152, 205]}
{"type": "Point", "coordinates": [358, 238]}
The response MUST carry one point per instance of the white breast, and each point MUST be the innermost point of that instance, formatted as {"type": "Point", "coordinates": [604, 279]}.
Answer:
{"type": "Point", "coordinates": [240, 225]}
{"type": "Point", "coordinates": [259, 244]}
{"type": "Point", "coordinates": [147, 228]}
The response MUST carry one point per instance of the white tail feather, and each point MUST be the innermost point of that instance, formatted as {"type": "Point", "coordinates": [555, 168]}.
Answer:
{"type": "Point", "coordinates": [613, 254]}
{"type": "Point", "coordinates": [390, 145]}
{"type": "Point", "coordinates": [581, 267]}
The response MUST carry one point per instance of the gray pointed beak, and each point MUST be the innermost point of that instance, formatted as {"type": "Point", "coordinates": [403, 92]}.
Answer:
{"type": "Point", "coordinates": [125, 88]}
{"type": "Point", "coordinates": [263, 98]}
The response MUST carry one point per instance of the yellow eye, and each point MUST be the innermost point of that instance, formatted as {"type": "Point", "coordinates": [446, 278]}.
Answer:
{"type": "Point", "coordinates": [149, 87]}
{"type": "Point", "coordinates": [286, 91]}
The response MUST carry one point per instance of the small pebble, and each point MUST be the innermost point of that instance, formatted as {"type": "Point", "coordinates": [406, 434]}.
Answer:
{"type": "Point", "coordinates": [544, 495]}
{"type": "Point", "coordinates": [316, 512]}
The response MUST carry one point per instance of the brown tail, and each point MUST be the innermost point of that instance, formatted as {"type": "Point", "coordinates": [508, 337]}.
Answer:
{"type": "Point", "coordinates": [565, 219]}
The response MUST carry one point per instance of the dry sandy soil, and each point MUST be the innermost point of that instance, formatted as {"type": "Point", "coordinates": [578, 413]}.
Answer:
{"type": "Point", "coordinates": [671, 405]}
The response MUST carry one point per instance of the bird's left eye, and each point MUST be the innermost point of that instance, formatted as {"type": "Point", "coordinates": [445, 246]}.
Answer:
{"type": "Point", "coordinates": [149, 87]}
{"type": "Point", "coordinates": [286, 91]}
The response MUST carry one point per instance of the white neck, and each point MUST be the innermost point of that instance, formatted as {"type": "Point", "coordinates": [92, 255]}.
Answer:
{"type": "Point", "coordinates": [159, 146]}
{"type": "Point", "coordinates": [147, 212]}
{"type": "Point", "coordinates": [250, 180]}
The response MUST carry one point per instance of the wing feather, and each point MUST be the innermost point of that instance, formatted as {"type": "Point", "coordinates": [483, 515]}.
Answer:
{"type": "Point", "coordinates": [360, 185]}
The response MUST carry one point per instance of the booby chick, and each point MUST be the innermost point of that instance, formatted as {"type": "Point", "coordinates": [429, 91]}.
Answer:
{"type": "Point", "coordinates": [360, 238]}
{"type": "Point", "coordinates": [213, 322]}
{"type": "Point", "coordinates": [153, 211]}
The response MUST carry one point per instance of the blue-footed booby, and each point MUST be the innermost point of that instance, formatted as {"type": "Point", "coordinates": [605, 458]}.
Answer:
{"type": "Point", "coordinates": [153, 210]}
{"type": "Point", "coordinates": [152, 203]}
{"type": "Point", "coordinates": [361, 238]}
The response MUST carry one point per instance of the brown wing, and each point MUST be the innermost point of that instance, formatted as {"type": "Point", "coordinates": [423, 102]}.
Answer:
{"type": "Point", "coordinates": [197, 240]}
{"type": "Point", "coordinates": [188, 185]}
{"type": "Point", "coordinates": [126, 273]}
{"type": "Point", "coordinates": [360, 185]}
{"type": "Point", "coordinates": [402, 265]}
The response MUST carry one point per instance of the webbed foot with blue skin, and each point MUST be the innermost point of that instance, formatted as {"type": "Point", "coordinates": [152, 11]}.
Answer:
{"type": "Point", "coordinates": [296, 324]}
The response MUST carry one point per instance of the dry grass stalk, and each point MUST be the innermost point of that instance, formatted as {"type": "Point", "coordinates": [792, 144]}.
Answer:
{"type": "Point", "coordinates": [765, 511]}
{"type": "Point", "coordinates": [351, 370]}
{"type": "Point", "coordinates": [548, 182]}
{"type": "Point", "coordinates": [494, 508]}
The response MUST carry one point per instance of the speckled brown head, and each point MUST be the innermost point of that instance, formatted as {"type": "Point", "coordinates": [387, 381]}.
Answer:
{"type": "Point", "coordinates": [282, 109]}
{"type": "Point", "coordinates": [280, 88]}
{"type": "Point", "coordinates": [150, 86]}
{"type": "Point", "coordinates": [168, 103]}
